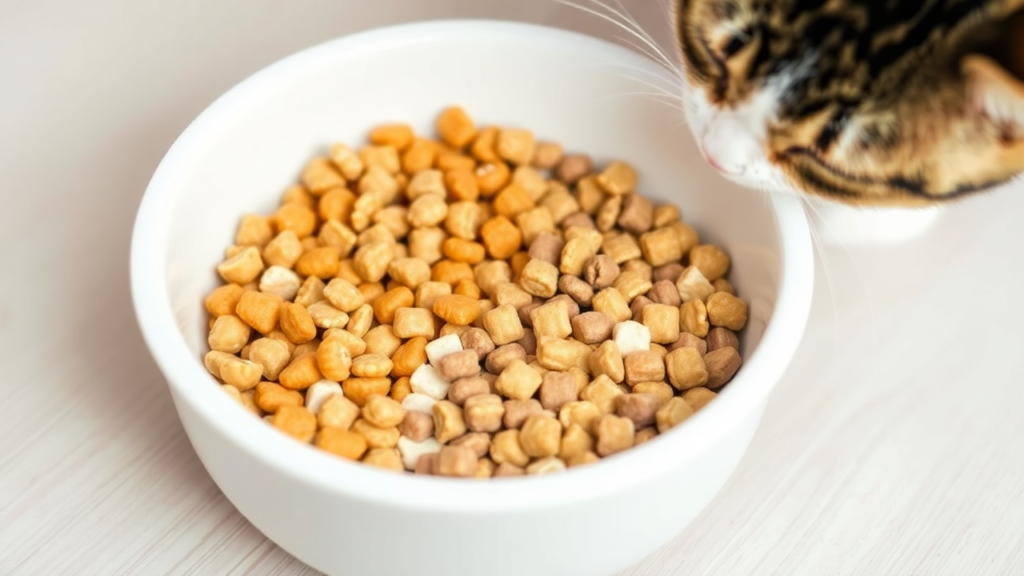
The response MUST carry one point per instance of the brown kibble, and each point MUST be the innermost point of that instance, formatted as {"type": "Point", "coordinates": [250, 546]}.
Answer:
{"type": "Point", "coordinates": [477, 340]}
{"type": "Point", "coordinates": [697, 398]}
{"type": "Point", "coordinates": [296, 323]}
{"type": "Point", "coordinates": [426, 464]}
{"type": "Point", "coordinates": [503, 356]}
{"type": "Point", "coordinates": [711, 260]}
{"type": "Point", "coordinates": [686, 368]}
{"type": "Point", "coordinates": [668, 272]}
{"type": "Point", "coordinates": [727, 311]}
{"type": "Point", "coordinates": [465, 388]}
{"type": "Point", "coordinates": [517, 411]}
{"type": "Point", "coordinates": [478, 442]}
{"type": "Point", "coordinates": [719, 337]}
{"type": "Point", "coordinates": [484, 412]}
{"type": "Point", "coordinates": [296, 421]}
{"type": "Point", "coordinates": [341, 442]}
{"type": "Point", "coordinates": [271, 397]}
{"type": "Point", "coordinates": [638, 407]}
{"type": "Point", "coordinates": [501, 237]}
{"type": "Point", "coordinates": [417, 426]}
{"type": "Point", "coordinates": [547, 247]}
{"type": "Point", "coordinates": [556, 390]}
{"type": "Point", "coordinates": [462, 364]}
{"type": "Point", "coordinates": [665, 292]}
{"type": "Point", "coordinates": [660, 390]}
{"type": "Point", "coordinates": [547, 155]}
{"type": "Point", "coordinates": [687, 340]}
{"type": "Point", "coordinates": [592, 327]}
{"type": "Point", "coordinates": [577, 289]}
{"type": "Point", "coordinates": [643, 366]}
{"type": "Point", "coordinates": [637, 214]}
{"type": "Point", "coordinates": [614, 434]}
{"type": "Point", "coordinates": [573, 167]}
{"type": "Point", "coordinates": [601, 271]}
{"type": "Point", "coordinates": [722, 365]}
{"type": "Point", "coordinates": [507, 470]}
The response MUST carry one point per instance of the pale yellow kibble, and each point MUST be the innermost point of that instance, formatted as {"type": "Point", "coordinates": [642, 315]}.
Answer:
{"type": "Point", "coordinates": [661, 246]}
{"type": "Point", "coordinates": [631, 284]}
{"type": "Point", "coordinates": [366, 205]}
{"type": "Point", "coordinates": [426, 244]}
{"type": "Point", "coordinates": [382, 340]}
{"type": "Point", "coordinates": [518, 381]}
{"type": "Point", "coordinates": [711, 260]}
{"type": "Point", "coordinates": [377, 180]}
{"type": "Point", "coordinates": [575, 441]}
{"type": "Point", "coordinates": [427, 211]}
{"type": "Point", "coordinates": [383, 412]}
{"type": "Point", "coordinates": [338, 412]}
{"type": "Point", "coordinates": [409, 272]}
{"type": "Point", "coordinates": [243, 267]}
{"type": "Point", "coordinates": [607, 360]}
{"type": "Point", "coordinates": [672, 414]}
{"type": "Point", "coordinates": [343, 295]}
{"type": "Point", "coordinates": [395, 219]}
{"type": "Point", "coordinates": [347, 161]}
{"type": "Point", "coordinates": [242, 374]}
{"type": "Point", "coordinates": [608, 214]}
{"type": "Point", "coordinates": [551, 319]}
{"type": "Point", "coordinates": [254, 230]}
{"type": "Point", "coordinates": [326, 316]}
{"type": "Point", "coordinates": [503, 325]}
{"type": "Point", "coordinates": [516, 146]}
{"type": "Point", "coordinates": [413, 322]}
{"type": "Point", "coordinates": [663, 322]}
{"type": "Point", "coordinates": [540, 436]}
{"type": "Point", "coordinates": [614, 434]}
{"type": "Point", "coordinates": [661, 390]}
{"type": "Point", "coordinates": [229, 334]}
{"type": "Point", "coordinates": [429, 292]}
{"type": "Point", "coordinates": [506, 448]}
{"type": "Point", "coordinates": [578, 250]}
{"type": "Point", "coordinates": [611, 303]}
{"type": "Point", "coordinates": [582, 413]}
{"type": "Point", "coordinates": [618, 178]}
{"type": "Point", "coordinates": [372, 260]}
{"type": "Point", "coordinates": [539, 278]}
{"type": "Point", "coordinates": [693, 318]}
{"type": "Point", "coordinates": [375, 233]}
{"type": "Point", "coordinates": [426, 183]}
{"type": "Point", "coordinates": [561, 355]}
{"type": "Point", "coordinates": [602, 392]}
{"type": "Point", "coordinates": [535, 222]}
{"type": "Point", "coordinates": [727, 311]}
{"type": "Point", "coordinates": [385, 459]}
{"type": "Point", "coordinates": [492, 273]}
{"type": "Point", "coordinates": [385, 157]}
{"type": "Point", "coordinates": [376, 436]}
{"type": "Point", "coordinates": [320, 176]}
{"type": "Point", "coordinates": [686, 368]}
{"type": "Point", "coordinates": [448, 421]}
{"type": "Point", "coordinates": [284, 250]}
{"type": "Point", "coordinates": [463, 220]}
{"type": "Point", "coordinates": [582, 459]}
{"type": "Point", "coordinates": [372, 366]}
{"type": "Point", "coordinates": [360, 320]}
{"type": "Point", "coordinates": [273, 355]}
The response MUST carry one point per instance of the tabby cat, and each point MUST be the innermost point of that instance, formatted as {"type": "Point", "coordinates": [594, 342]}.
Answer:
{"type": "Point", "coordinates": [870, 102]}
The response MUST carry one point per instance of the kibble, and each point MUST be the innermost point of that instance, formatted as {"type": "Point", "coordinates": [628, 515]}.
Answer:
{"type": "Point", "coordinates": [441, 306]}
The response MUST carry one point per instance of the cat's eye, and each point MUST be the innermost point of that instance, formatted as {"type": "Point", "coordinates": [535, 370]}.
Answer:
{"type": "Point", "coordinates": [734, 45]}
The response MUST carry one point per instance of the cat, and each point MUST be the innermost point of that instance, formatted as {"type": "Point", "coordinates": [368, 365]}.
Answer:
{"type": "Point", "coordinates": [864, 102]}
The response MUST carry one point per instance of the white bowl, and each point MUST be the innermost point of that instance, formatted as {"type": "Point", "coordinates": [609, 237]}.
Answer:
{"type": "Point", "coordinates": [348, 518]}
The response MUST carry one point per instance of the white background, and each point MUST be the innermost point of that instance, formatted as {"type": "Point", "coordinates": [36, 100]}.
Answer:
{"type": "Point", "coordinates": [894, 445]}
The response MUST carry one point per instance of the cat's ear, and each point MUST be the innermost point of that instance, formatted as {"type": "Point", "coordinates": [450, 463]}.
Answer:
{"type": "Point", "coordinates": [994, 92]}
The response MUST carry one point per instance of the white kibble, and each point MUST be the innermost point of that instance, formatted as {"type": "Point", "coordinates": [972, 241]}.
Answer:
{"type": "Point", "coordinates": [412, 450]}
{"type": "Point", "coordinates": [631, 337]}
{"type": "Point", "coordinates": [280, 281]}
{"type": "Point", "coordinates": [319, 393]}
{"type": "Point", "coordinates": [547, 465]}
{"type": "Point", "coordinates": [693, 285]}
{"type": "Point", "coordinates": [427, 380]}
{"type": "Point", "coordinates": [442, 347]}
{"type": "Point", "coordinates": [418, 402]}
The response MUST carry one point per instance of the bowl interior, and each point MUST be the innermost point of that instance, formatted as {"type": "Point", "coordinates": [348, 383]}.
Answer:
{"type": "Point", "coordinates": [248, 147]}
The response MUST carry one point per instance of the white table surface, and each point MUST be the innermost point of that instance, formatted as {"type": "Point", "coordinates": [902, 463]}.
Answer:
{"type": "Point", "coordinates": [894, 444]}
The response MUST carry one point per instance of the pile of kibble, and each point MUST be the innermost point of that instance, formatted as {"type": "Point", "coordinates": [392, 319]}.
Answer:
{"type": "Point", "coordinates": [476, 305]}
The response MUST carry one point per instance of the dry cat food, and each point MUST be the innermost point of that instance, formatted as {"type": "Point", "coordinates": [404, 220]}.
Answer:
{"type": "Point", "coordinates": [480, 305]}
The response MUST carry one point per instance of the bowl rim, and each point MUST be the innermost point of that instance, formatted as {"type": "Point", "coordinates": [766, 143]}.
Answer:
{"type": "Point", "coordinates": [190, 383]}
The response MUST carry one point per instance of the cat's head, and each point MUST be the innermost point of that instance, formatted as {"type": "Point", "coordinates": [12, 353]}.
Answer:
{"type": "Point", "coordinates": [874, 102]}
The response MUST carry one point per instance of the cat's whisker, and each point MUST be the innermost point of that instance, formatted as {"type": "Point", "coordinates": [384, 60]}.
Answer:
{"type": "Point", "coordinates": [628, 24]}
{"type": "Point", "coordinates": [668, 93]}
{"type": "Point", "coordinates": [648, 39]}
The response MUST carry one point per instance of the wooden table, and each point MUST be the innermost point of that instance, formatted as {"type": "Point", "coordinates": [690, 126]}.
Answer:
{"type": "Point", "coordinates": [894, 445]}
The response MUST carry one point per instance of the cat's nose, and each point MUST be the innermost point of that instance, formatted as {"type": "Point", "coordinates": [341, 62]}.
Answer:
{"type": "Point", "coordinates": [729, 146]}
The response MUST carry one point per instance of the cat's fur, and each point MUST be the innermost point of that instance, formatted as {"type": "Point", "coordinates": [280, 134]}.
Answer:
{"type": "Point", "coordinates": [876, 102]}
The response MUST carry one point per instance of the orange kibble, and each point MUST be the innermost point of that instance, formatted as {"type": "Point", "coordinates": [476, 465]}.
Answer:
{"type": "Point", "coordinates": [462, 184]}
{"type": "Point", "coordinates": [501, 237]}
{"type": "Point", "coordinates": [321, 262]}
{"type": "Point", "coordinates": [492, 177]}
{"type": "Point", "coordinates": [344, 443]}
{"type": "Point", "coordinates": [419, 156]}
{"type": "Point", "coordinates": [462, 250]}
{"type": "Point", "coordinates": [296, 421]}
{"type": "Point", "coordinates": [451, 272]}
{"type": "Point", "coordinates": [258, 310]}
{"type": "Point", "coordinates": [409, 357]}
{"type": "Point", "coordinates": [397, 135]}
{"type": "Point", "coordinates": [447, 161]}
{"type": "Point", "coordinates": [483, 148]}
{"type": "Point", "coordinates": [302, 373]}
{"type": "Point", "coordinates": [386, 304]}
{"type": "Point", "coordinates": [468, 289]}
{"type": "Point", "coordinates": [297, 323]}
{"type": "Point", "coordinates": [456, 309]}
{"type": "Point", "coordinates": [359, 390]}
{"type": "Point", "coordinates": [298, 218]}
{"type": "Point", "coordinates": [512, 200]}
{"type": "Point", "coordinates": [455, 127]}
{"type": "Point", "coordinates": [223, 299]}
{"type": "Point", "coordinates": [336, 204]}
{"type": "Point", "coordinates": [401, 389]}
